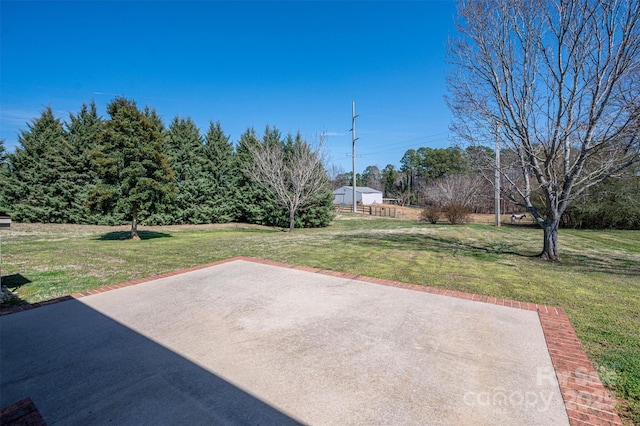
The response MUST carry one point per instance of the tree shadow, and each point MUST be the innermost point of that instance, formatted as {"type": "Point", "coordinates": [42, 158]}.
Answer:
{"type": "Point", "coordinates": [610, 264]}
{"type": "Point", "coordinates": [488, 250]}
{"type": "Point", "coordinates": [126, 235]}
{"type": "Point", "coordinates": [527, 225]}
{"type": "Point", "coordinates": [438, 244]}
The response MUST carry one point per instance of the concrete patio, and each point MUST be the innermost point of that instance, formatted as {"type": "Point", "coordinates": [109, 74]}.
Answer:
{"type": "Point", "coordinates": [249, 342]}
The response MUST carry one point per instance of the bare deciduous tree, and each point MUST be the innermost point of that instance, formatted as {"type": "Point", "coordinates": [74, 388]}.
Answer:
{"type": "Point", "coordinates": [292, 172]}
{"type": "Point", "coordinates": [458, 189]}
{"type": "Point", "coordinates": [559, 79]}
{"type": "Point", "coordinates": [454, 195]}
{"type": "Point", "coordinates": [372, 177]}
{"type": "Point", "coordinates": [336, 176]}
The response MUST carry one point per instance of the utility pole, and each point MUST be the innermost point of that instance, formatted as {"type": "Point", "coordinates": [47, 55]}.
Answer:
{"type": "Point", "coordinates": [497, 177]}
{"type": "Point", "coordinates": [353, 154]}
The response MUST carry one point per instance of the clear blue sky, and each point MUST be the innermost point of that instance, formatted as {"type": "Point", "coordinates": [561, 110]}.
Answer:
{"type": "Point", "coordinates": [292, 65]}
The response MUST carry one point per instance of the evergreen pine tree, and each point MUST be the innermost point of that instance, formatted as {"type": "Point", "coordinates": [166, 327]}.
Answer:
{"type": "Point", "coordinates": [291, 172]}
{"type": "Point", "coordinates": [254, 204]}
{"type": "Point", "coordinates": [152, 115]}
{"type": "Point", "coordinates": [135, 174]}
{"type": "Point", "coordinates": [83, 130]}
{"type": "Point", "coordinates": [3, 153]}
{"type": "Point", "coordinates": [185, 149]}
{"type": "Point", "coordinates": [319, 212]}
{"type": "Point", "coordinates": [4, 180]}
{"type": "Point", "coordinates": [40, 188]}
{"type": "Point", "coordinates": [222, 176]}
{"type": "Point", "coordinates": [261, 205]}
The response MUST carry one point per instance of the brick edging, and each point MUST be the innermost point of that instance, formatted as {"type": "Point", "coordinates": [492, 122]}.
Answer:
{"type": "Point", "coordinates": [23, 412]}
{"type": "Point", "coordinates": [586, 399]}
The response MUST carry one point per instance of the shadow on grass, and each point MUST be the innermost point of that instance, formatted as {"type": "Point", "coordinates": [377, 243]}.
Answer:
{"type": "Point", "coordinates": [521, 225]}
{"type": "Point", "coordinates": [489, 251]}
{"type": "Point", "coordinates": [421, 242]}
{"type": "Point", "coordinates": [12, 283]}
{"type": "Point", "coordinates": [126, 235]}
{"type": "Point", "coordinates": [604, 264]}
{"type": "Point", "coordinates": [15, 281]}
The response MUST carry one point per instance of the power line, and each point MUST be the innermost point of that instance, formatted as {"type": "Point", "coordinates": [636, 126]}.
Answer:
{"type": "Point", "coordinates": [436, 137]}
{"type": "Point", "coordinates": [408, 143]}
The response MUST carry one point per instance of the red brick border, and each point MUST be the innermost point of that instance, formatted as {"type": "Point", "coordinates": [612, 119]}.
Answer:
{"type": "Point", "coordinates": [22, 413]}
{"type": "Point", "coordinates": [586, 400]}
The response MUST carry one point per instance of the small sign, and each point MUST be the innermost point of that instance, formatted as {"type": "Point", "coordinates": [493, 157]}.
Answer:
{"type": "Point", "coordinates": [5, 222]}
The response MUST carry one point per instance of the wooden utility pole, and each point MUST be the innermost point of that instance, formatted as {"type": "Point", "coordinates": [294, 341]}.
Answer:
{"type": "Point", "coordinates": [353, 154]}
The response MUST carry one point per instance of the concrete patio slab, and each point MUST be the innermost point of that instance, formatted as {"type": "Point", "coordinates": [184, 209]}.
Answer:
{"type": "Point", "coordinates": [246, 342]}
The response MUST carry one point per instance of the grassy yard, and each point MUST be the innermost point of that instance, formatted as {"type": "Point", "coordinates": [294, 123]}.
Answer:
{"type": "Point", "coordinates": [598, 282]}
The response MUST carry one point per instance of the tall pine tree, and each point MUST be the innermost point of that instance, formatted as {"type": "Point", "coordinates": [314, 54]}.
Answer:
{"type": "Point", "coordinates": [318, 211]}
{"type": "Point", "coordinates": [254, 204]}
{"type": "Point", "coordinates": [83, 131]}
{"type": "Point", "coordinates": [135, 174]}
{"type": "Point", "coordinates": [222, 176]}
{"type": "Point", "coordinates": [292, 173]}
{"type": "Point", "coordinates": [185, 149]}
{"type": "Point", "coordinates": [261, 206]}
{"type": "Point", "coordinates": [152, 115]}
{"type": "Point", "coordinates": [4, 179]}
{"type": "Point", "coordinates": [41, 190]}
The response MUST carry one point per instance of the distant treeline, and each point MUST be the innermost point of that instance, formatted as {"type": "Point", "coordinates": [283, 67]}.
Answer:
{"type": "Point", "coordinates": [440, 177]}
{"type": "Point", "coordinates": [55, 173]}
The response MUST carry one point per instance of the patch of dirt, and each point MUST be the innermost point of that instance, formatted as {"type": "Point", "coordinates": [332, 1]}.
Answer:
{"type": "Point", "coordinates": [408, 213]}
{"type": "Point", "coordinates": [413, 214]}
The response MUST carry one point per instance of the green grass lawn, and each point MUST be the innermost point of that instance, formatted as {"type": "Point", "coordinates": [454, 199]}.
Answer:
{"type": "Point", "coordinates": [598, 282]}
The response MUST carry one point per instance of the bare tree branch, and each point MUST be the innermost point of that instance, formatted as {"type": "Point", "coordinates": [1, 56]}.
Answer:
{"type": "Point", "coordinates": [292, 172]}
{"type": "Point", "coordinates": [560, 80]}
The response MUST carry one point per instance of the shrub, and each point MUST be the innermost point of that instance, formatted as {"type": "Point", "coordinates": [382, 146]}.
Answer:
{"type": "Point", "coordinates": [456, 213]}
{"type": "Point", "coordinates": [431, 214]}
{"type": "Point", "coordinates": [612, 204]}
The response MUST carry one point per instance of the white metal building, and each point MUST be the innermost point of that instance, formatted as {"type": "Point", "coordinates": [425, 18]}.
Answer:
{"type": "Point", "coordinates": [364, 195]}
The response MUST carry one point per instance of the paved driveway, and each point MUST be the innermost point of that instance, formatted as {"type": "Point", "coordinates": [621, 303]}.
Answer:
{"type": "Point", "coordinates": [249, 343]}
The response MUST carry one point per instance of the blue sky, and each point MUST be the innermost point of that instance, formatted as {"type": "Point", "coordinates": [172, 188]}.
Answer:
{"type": "Point", "coordinates": [293, 65]}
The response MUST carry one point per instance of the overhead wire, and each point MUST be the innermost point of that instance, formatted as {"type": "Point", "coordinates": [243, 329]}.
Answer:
{"type": "Point", "coordinates": [394, 146]}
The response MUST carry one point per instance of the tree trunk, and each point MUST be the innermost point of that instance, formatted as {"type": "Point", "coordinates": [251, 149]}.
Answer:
{"type": "Point", "coordinates": [292, 220]}
{"type": "Point", "coordinates": [550, 248]}
{"type": "Point", "coordinates": [134, 223]}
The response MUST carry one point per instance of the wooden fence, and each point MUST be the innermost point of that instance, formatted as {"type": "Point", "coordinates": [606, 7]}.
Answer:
{"type": "Point", "coordinates": [372, 210]}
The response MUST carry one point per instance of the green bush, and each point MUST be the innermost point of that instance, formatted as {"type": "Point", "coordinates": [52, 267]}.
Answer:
{"type": "Point", "coordinates": [613, 204]}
